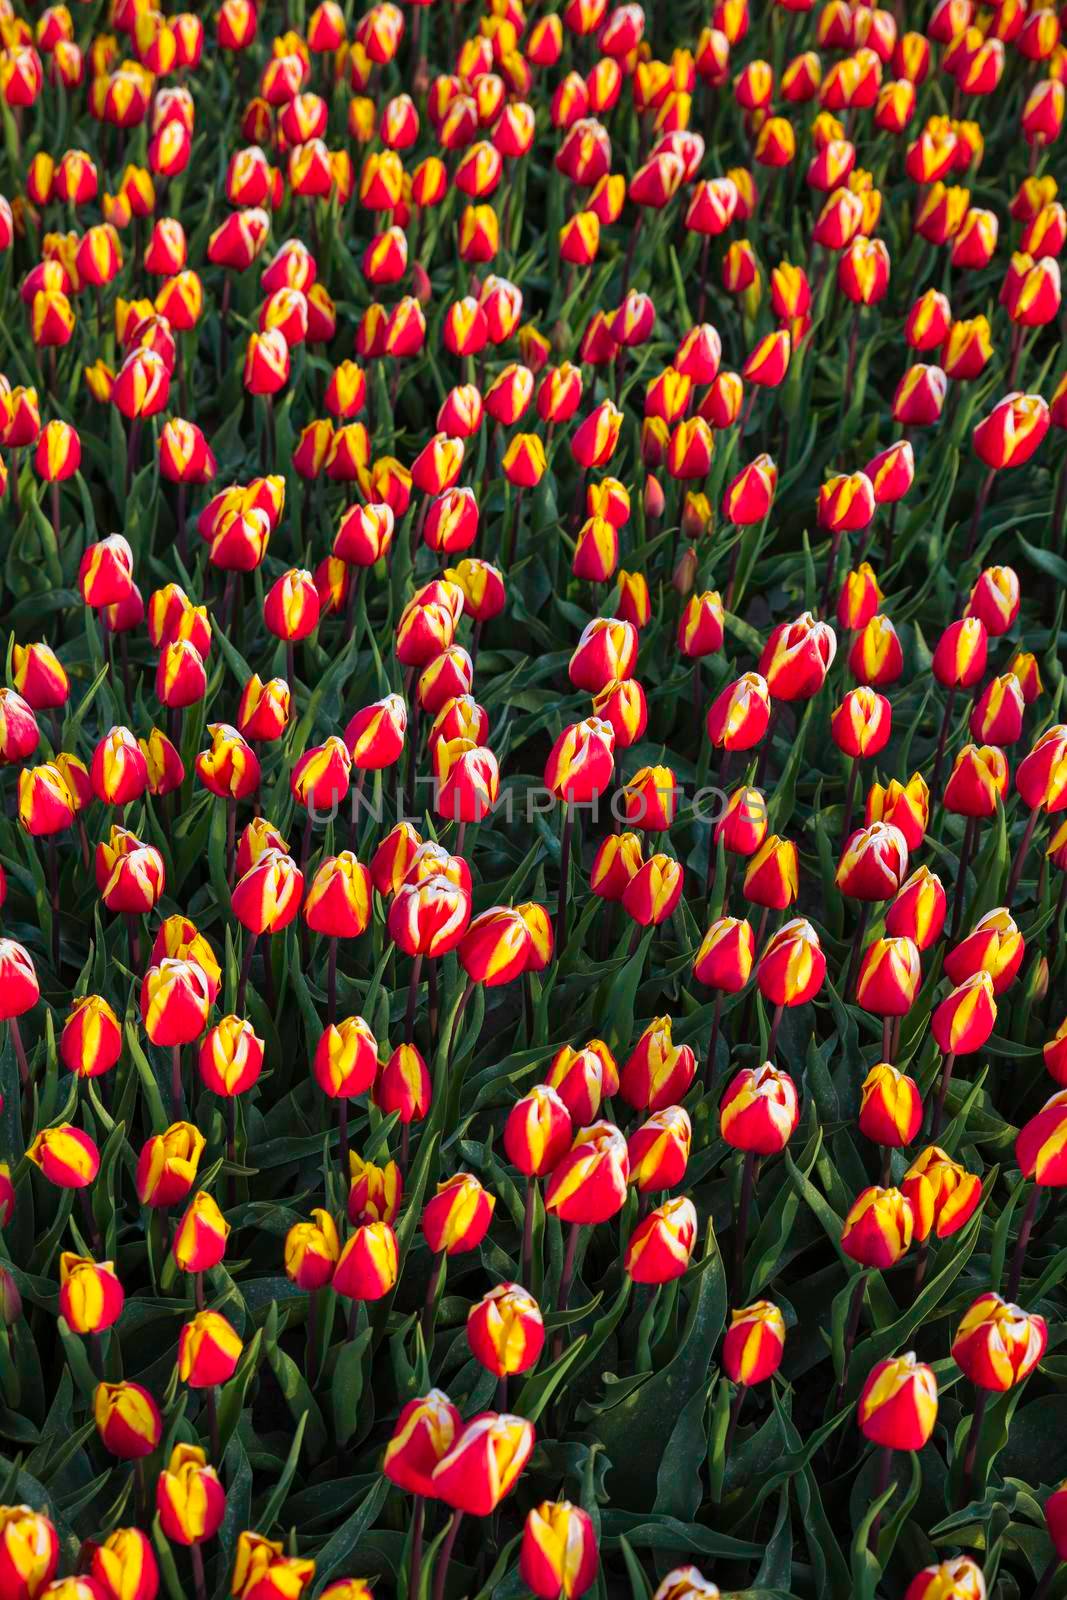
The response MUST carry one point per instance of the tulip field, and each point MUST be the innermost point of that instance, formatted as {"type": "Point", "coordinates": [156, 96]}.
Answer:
{"type": "Point", "coordinates": [533, 800]}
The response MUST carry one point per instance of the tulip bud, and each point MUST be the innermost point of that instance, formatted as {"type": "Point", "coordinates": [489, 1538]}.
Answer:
{"type": "Point", "coordinates": [29, 1552]}
{"type": "Point", "coordinates": [125, 1567]}
{"type": "Point", "coordinates": [189, 1496]}
{"type": "Point", "coordinates": [588, 1185]}
{"type": "Point", "coordinates": [943, 1194]}
{"type": "Point", "coordinates": [505, 1330]}
{"type": "Point", "coordinates": [538, 1131]}
{"type": "Point", "coordinates": [369, 1263]}
{"type": "Point", "coordinates": [457, 1218]}
{"type": "Point", "coordinates": [127, 1420]}
{"type": "Point", "coordinates": [759, 1110]}
{"type": "Point", "coordinates": [754, 1344]}
{"type": "Point", "coordinates": [878, 1229]}
{"type": "Point", "coordinates": [661, 1245]}
{"type": "Point", "coordinates": [483, 1463]}
{"type": "Point", "coordinates": [200, 1237]}
{"type": "Point", "coordinates": [998, 1344]}
{"type": "Point", "coordinates": [65, 1156]}
{"type": "Point", "coordinates": [312, 1250]}
{"type": "Point", "coordinates": [963, 1021]}
{"type": "Point", "coordinates": [897, 1407]}
{"type": "Point", "coordinates": [889, 977]}
{"type": "Point", "coordinates": [404, 1085]}
{"type": "Point", "coordinates": [891, 1107]}
{"type": "Point", "coordinates": [208, 1351]}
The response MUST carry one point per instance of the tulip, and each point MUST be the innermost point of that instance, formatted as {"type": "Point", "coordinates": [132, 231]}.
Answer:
{"type": "Point", "coordinates": [904, 806]}
{"type": "Point", "coordinates": [889, 977]}
{"type": "Point", "coordinates": [878, 1228]}
{"type": "Point", "coordinates": [661, 1245]}
{"type": "Point", "coordinates": [29, 1552]}
{"type": "Point", "coordinates": [943, 1194]}
{"type": "Point", "coordinates": [91, 1040]}
{"type": "Point", "coordinates": [997, 1344]}
{"type": "Point", "coordinates": [125, 1567]}
{"type": "Point", "coordinates": [208, 1351]}
{"type": "Point", "coordinates": [505, 1330]}
{"type": "Point", "coordinates": [759, 1111]}
{"type": "Point", "coordinates": [897, 1407]}
{"type": "Point", "coordinates": [189, 1497]}
{"type": "Point", "coordinates": [127, 1420]}
{"type": "Point", "coordinates": [424, 1433]}
{"type": "Point", "coordinates": [483, 1463]}
{"type": "Point", "coordinates": [1038, 1147]}
{"type": "Point", "coordinates": [65, 1156]}
{"type": "Point", "coordinates": [754, 1343]}
{"type": "Point", "coordinates": [312, 1250]}
{"type": "Point", "coordinates": [368, 1266]}
{"type": "Point", "coordinates": [558, 1554]}
{"type": "Point", "coordinates": [890, 1106]}
{"type": "Point", "coordinates": [200, 1238]}
{"type": "Point", "coordinates": [91, 1297]}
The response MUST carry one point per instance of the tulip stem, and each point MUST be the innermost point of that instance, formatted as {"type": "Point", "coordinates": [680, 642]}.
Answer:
{"type": "Point", "coordinates": [565, 1282]}
{"type": "Point", "coordinates": [979, 510]}
{"type": "Point", "coordinates": [526, 1264]}
{"type": "Point", "coordinates": [885, 1474]}
{"type": "Point", "coordinates": [855, 1311]}
{"type": "Point", "coordinates": [1044, 1583]}
{"type": "Point", "coordinates": [19, 1049]}
{"type": "Point", "coordinates": [133, 940]}
{"type": "Point", "coordinates": [331, 982]}
{"type": "Point", "coordinates": [440, 1577]}
{"type": "Point", "coordinates": [772, 1042]}
{"type": "Point", "coordinates": [413, 996]}
{"type": "Point", "coordinates": [713, 1042]}
{"type": "Point", "coordinates": [418, 1520]}
{"type": "Point", "coordinates": [857, 947]}
{"type": "Point", "coordinates": [1015, 1276]}
{"type": "Point", "coordinates": [942, 1094]}
{"type": "Point", "coordinates": [246, 969]}
{"type": "Point", "coordinates": [176, 1082]}
{"type": "Point", "coordinates": [973, 1439]}
{"type": "Point", "coordinates": [1020, 857]}
{"type": "Point", "coordinates": [735, 1417]}
{"type": "Point", "coordinates": [966, 851]}
{"type": "Point", "coordinates": [212, 1404]}
{"type": "Point", "coordinates": [430, 1304]}
{"type": "Point", "coordinates": [887, 1039]}
{"type": "Point", "coordinates": [744, 1206]}
{"type": "Point", "coordinates": [90, 1223]}
{"type": "Point", "coordinates": [564, 877]}
{"type": "Point", "coordinates": [196, 1555]}
{"type": "Point", "coordinates": [342, 1135]}
{"type": "Point", "coordinates": [850, 800]}
{"type": "Point", "coordinates": [511, 536]}
{"type": "Point", "coordinates": [942, 740]}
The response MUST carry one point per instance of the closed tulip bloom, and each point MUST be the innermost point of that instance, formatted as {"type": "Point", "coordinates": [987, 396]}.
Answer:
{"type": "Point", "coordinates": [39, 676]}
{"type": "Point", "coordinates": [208, 1351]}
{"type": "Point", "coordinates": [423, 1435]}
{"type": "Point", "coordinates": [889, 977]}
{"type": "Point", "coordinates": [91, 1297]}
{"type": "Point", "coordinates": [505, 1330]}
{"type": "Point", "coordinates": [558, 1555]}
{"type": "Point", "coordinates": [1041, 776]}
{"type": "Point", "coordinates": [484, 1463]}
{"type": "Point", "coordinates": [200, 1237]}
{"type": "Point", "coordinates": [759, 1110]}
{"type": "Point", "coordinates": [1041, 1147]}
{"type": "Point", "coordinates": [189, 1496]}
{"type": "Point", "coordinates": [772, 874]}
{"type": "Point", "coordinates": [338, 902]}
{"type": "Point", "coordinates": [312, 1250]}
{"type": "Point", "coordinates": [994, 599]}
{"type": "Point", "coordinates": [175, 1002]}
{"type": "Point", "coordinates": [230, 767]}
{"type": "Point", "coordinates": [873, 863]}
{"type": "Point", "coordinates": [231, 1057]}
{"type": "Point", "coordinates": [725, 958]}
{"type": "Point", "coordinates": [700, 627]}
{"type": "Point", "coordinates": [792, 966]}
{"type": "Point", "coordinates": [660, 1247]}
{"type": "Point", "coordinates": [369, 1263]}
{"type": "Point", "coordinates": [653, 893]}
{"type": "Point", "coordinates": [994, 945]}
{"type": "Point", "coordinates": [892, 473]}
{"type": "Point", "coordinates": [167, 1165]}
{"type": "Point", "coordinates": [374, 1192]}
{"type": "Point", "coordinates": [754, 1344]}
{"type": "Point", "coordinates": [797, 657]}
{"type": "Point", "coordinates": [581, 762]}
{"type": "Point", "coordinates": [1012, 431]}
{"type": "Point", "coordinates": [897, 1407]}
{"type": "Point", "coordinates": [263, 712]}
{"type": "Point", "coordinates": [905, 806]}
{"type": "Point", "coordinates": [91, 1040]}
{"type": "Point", "coordinates": [919, 397]}
{"type": "Point", "coordinates": [19, 733]}
{"type": "Point", "coordinates": [45, 804]}
{"type": "Point", "coordinates": [891, 1107]}
{"type": "Point", "coordinates": [740, 713]}
{"type": "Point", "coordinates": [618, 858]}
{"type": "Point", "coordinates": [127, 1420]}
{"type": "Point", "coordinates": [65, 1156]}
{"type": "Point", "coordinates": [862, 723]}
{"type": "Point", "coordinates": [457, 1218]}
{"type": "Point", "coordinates": [742, 827]}
{"type": "Point", "coordinates": [978, 780]}
{"type": "Point", "coordinates": [345, 1063]}
{"type": "Point", "coordinates": [119, 772]}
{"type": "Point", "coordinates": [125, 1567]}
{"type": "Point", "coordinates": [588, 1185]}
{"type": "Point", "coordinates": [943, 1194]}
{"type": "Point", "coordinates": [19, 988]}
{"type": "Point", "coordinates": [686, 1583]}
{"type": "Point", "coordinates": [846, 503]}
{"type": "Point", "coordinates": [959, 660]}
{"type": "Point", "coordinates": [538, 1131]}
{"type": "Point", "coordinates": [404, 1085]}
{"type": "Point", "coordinates": [658, 1150]}
{"type": "Point", "coordinates": [267, 897]}
{"type": "Point", "coordinates": [291, 608]}
{"type": "Point", "coordinates": [1055, 1054]}
{"type": "Point", "coordinates": [963, 1021]}
{"type": "Point", "coordinates": [878, 1229]}
{"type": "Point", "coordinates": [997, 1344]}
{"type": "Point", "coordinates": [957, 1579]}
{"type": "Point", "coordinates": [583, 1079]}
{"type": "Point", "coordinates": [430, 917]}
{"type": "Point", "coordinates": [876, 656]}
